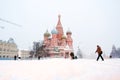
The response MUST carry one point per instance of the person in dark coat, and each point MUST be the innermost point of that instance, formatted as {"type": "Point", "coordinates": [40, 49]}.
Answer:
{"type": "Point", "coordinates": [72, 55]}
{"type": "Point", "coordinates": [39, 57]}
{"type": "Point", "coordinates": [99, 51]}
{"type": "Point", "coordinates": [15, 57]}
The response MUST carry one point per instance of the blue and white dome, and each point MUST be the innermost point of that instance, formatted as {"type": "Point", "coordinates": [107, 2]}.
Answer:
{"type": "Point", "coordinates": [54, 31]}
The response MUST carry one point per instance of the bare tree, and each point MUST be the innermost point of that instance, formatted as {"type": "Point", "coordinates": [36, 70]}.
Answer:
{"type": "Point", "coordinates": [31, 54]}
{"type": "Point", "coordinates": [39, 49]}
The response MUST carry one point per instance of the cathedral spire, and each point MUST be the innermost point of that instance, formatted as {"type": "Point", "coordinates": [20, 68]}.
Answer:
{"type": "Point", "coordinates": [59, 22]}
{"type": "Point", "coordinates": [59, 28]}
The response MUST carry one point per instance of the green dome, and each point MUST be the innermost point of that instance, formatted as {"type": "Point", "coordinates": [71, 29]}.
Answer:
{"type": "Point", "coordinates": [47, 34]}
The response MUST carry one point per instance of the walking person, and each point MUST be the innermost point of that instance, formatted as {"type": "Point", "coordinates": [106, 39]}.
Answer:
{"type": "Point", "coordinates": [99, 51]}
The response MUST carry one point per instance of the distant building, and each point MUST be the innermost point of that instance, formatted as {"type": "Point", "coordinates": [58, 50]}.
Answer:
{"type": "Point", "coordinates": [25, 54]}
{"type": "Point", "coordinates": [57, 44]}
{"type": "Point", "coordinates": [8, 49]}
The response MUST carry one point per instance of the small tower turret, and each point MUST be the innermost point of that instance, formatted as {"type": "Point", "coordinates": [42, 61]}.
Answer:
{"type": "Point", "coordinates": [69, 39]}
{"type": "Point", "coordinates": [54, 40]}
{"type": "Point", "coordinates": [46, 36]}
{"type": "Point", "coordinates": [63, 42]}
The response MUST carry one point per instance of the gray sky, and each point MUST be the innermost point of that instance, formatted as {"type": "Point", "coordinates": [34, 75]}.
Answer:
{"type": "Point", "coordinates": [92, 22]}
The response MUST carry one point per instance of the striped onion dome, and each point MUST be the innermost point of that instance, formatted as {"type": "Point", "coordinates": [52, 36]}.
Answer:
{"type": "Point", "coordinates": [54, 31]}
{"type": "Point", "coordinates": [47, 34]}
{"type": "Point", "coordinates": [63, 37]}
{"type": "Point", "coordinates": [68, 32]}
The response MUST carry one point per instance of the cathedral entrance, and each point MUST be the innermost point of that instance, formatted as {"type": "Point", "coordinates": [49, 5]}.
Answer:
{"type": "Point", "coordinates": [66, 54]}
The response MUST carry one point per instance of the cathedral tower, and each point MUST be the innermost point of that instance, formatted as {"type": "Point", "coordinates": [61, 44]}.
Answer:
{"type": "Point", "coordinates": [59, 44]}
{"type": "Point", "coordinates": [69, 39]}
{"type": "Point", "coordinates": [59, 28]}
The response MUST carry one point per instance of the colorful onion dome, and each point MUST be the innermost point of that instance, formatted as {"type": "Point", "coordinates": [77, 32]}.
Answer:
{"type": "Point", "coordinates": [54, 31]}
{"type": "Point", "coordinates": [68, 32]}
{"type": "Point", "coordinates": [47, 34]}
{"type": "Point", "coordinates": [63, 37]}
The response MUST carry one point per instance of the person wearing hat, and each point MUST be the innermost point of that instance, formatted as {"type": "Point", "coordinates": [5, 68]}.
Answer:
{"type": "Point", "coordinates": [99, 51]}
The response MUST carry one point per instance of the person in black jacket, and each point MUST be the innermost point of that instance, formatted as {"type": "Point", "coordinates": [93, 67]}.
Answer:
{"type": "Point", "coordinates": [15, 57]}
{"type": "Point", "coordinates": [72, 55]}
{"type": "Point", "coordinates": [99, 51]}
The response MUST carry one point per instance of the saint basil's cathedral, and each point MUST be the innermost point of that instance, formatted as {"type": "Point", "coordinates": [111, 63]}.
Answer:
{"type": "Point", "coordinates": [57, 44]}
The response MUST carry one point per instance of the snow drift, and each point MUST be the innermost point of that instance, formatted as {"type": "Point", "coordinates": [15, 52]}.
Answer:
{"type": "Point", "coordinates": [60, 69]}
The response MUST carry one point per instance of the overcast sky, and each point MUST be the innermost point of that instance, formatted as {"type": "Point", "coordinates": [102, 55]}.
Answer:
{"type": "Point", "coordinates": [92, 22]}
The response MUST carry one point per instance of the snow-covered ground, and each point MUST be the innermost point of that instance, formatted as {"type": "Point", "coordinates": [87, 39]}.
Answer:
{"type": "Point", "coordinates": [60, 69]}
